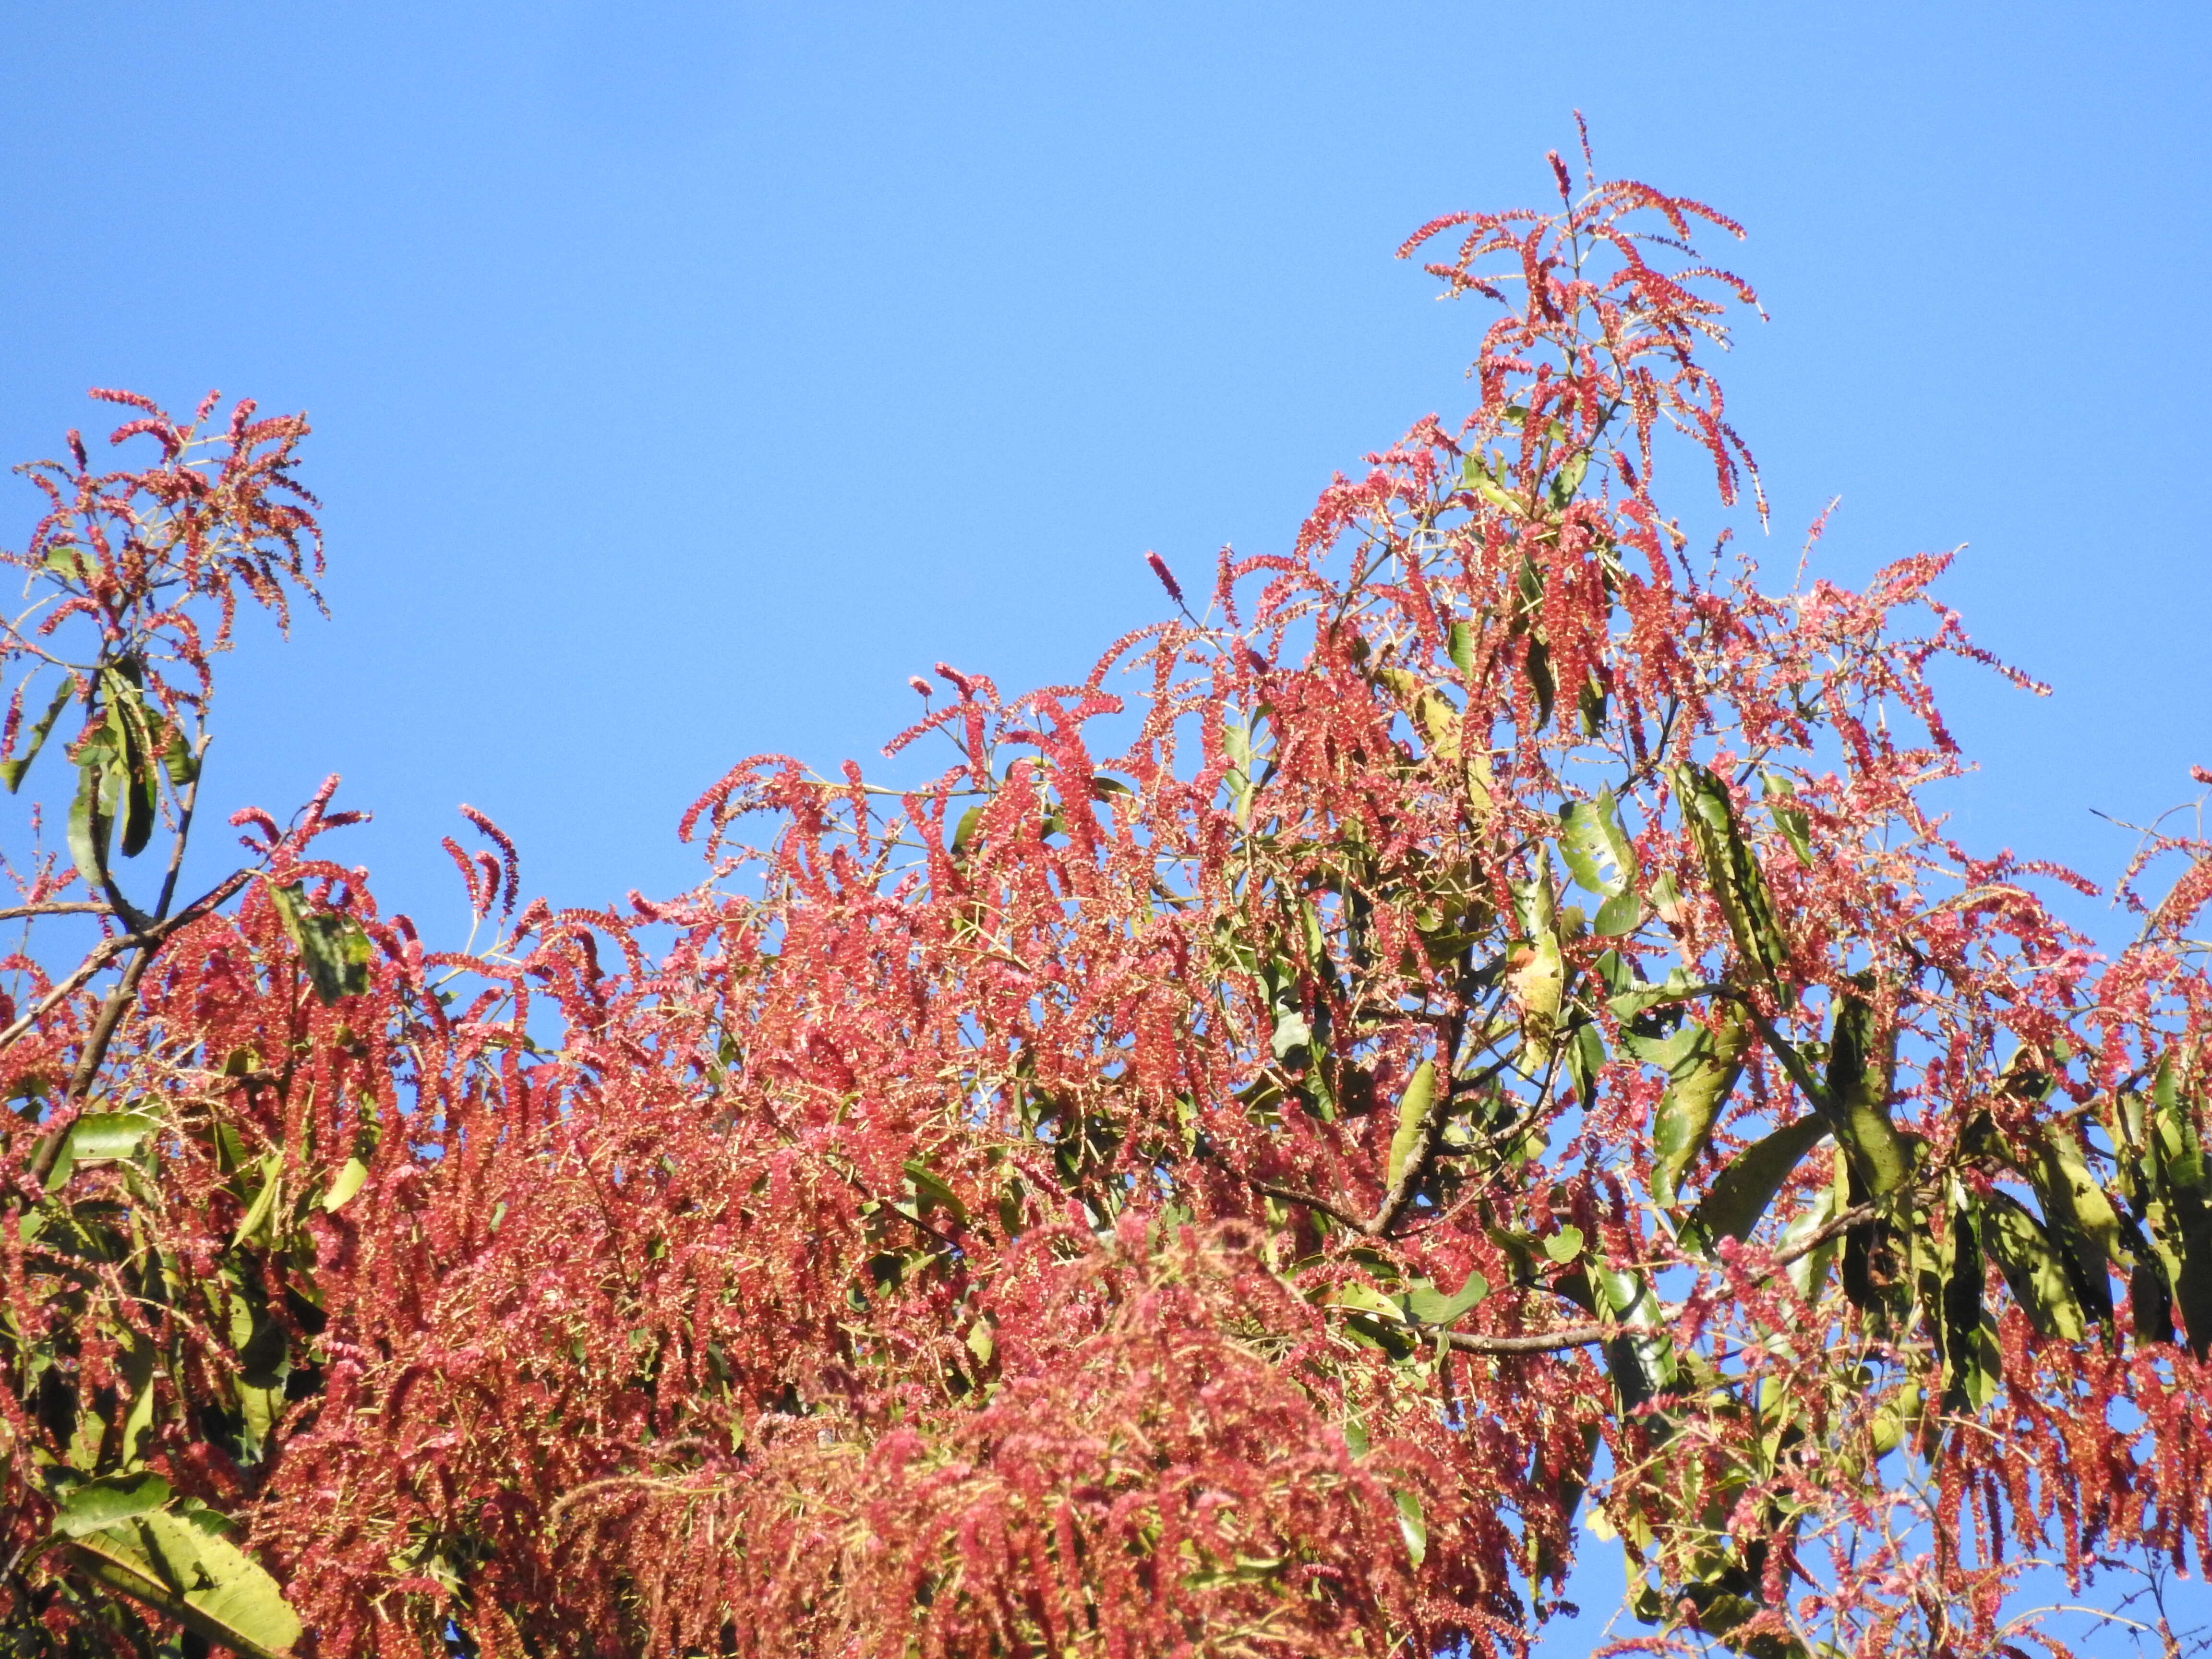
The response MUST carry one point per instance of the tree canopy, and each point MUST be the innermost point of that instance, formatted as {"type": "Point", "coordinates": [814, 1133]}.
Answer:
{"type": "Point", "coordinates": [1463, 1042]}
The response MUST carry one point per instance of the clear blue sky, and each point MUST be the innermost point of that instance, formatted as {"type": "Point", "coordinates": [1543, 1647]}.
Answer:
{"type": "Point", "coordinates": [687, 374]}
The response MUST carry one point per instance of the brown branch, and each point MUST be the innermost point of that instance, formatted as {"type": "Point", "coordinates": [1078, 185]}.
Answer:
{"type": "Point", "coordinates": [1566, 1336]}
{"type": "Point", "coordinates": [147, 941]}
{"type": "Point", "coordinates": [1320, 1205]}
{"type": "Point", "coordinates": [1416, 1168]}
{"type": "Point", "coordinates": [95, 961]}
{"type": "Point", "coordinates": [75, 908]}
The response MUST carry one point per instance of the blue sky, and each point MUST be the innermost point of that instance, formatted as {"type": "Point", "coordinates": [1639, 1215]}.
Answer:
{"type": "Point", "coordinates": [686, 374]}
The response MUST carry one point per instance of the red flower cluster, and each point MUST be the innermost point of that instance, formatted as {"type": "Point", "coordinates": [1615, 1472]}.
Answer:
{"type": "Point", "coordinates": [1472, 1043]}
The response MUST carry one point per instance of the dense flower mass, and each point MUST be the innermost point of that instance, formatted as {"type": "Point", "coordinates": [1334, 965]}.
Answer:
{"type": "Point", "coordinates": [1463, 1045]}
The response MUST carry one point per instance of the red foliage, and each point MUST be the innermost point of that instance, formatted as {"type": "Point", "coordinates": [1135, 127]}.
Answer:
{"type": "Point", "coordinates": [1186, 1181]}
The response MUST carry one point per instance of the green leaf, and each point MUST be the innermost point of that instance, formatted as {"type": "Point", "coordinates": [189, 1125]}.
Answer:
{"type": "Point", "coordinates": [12, 771]}
{"type": "Point", "coordinates": [1809, 1273]}
{"type": "Point", "coordinates": [1432, 1307]}
{"type": "Point", "coordinates": [136, 1373]}
{"type": "Point", "coordinates": [1569, 479]}
{"type": "Point", "coordinates": [1459, 645]}
{"type": "Point", "coordinates": [110, 1134]}
{"type": "Point", "coordinates": [1363, 1297]}
{"type": "Point", "coordinates": [1862, 1071]}
{"type": "Point", "coordinates": [1733, 869]}
{"type": "Point", "coordinates": [1564, 1245]}
{"type": "Point", "coordinates": [1412, 1527]}
{"type": "Point", "coordinates": [1631, 997]}
{"type": "Point", "coordinates": [1599, 854]}
{"type": "Point", "coordinates": [2080, 1217]}
{"type": "Point", "coordinates": [1539, 678]}
{"type": "Point", "coordinates": [1413, 1121]}
{"type": "Point", "coordinates": [1616, 915]}
{"type": "Point", "coordinates": [88, 817]}
{"type": "Point", "coordinates": [345, 1184]}
{"type": "Point", "coordinates": [1585, 1059]}
{"type": "Point", "coordinates": [930, 1190]}
{"type": "Point", "coordinates": [963, 833]}
{"type": "Point", "coordinates": [100, 1503]}
{"type": "Point", "coordinates": [100, 1135]}
{"type": "Point", "coordinates": [332, 947]}
{"type": "Point", "coordinates": [130, 726]}
{"type": "Point", "coordinates": [178, 761]}
{"type": "Point", "coordinates": [256, 1222]}
{"type": "Point", "coordinates": [2031, 1268]}
{"type": "Point", "coordinates": [1699, 1083]}
{"type": "Point", "coordinates": [1971, 1378]}
{"type": "Point", "coordinates": [1789, 817]}
{"type": "Point", "coordinates": [181, 1565]}
{"type": "Point", "coordinates": [1643, 1365]}
{"type": "Point", "coordinates": [1475, 476]}
{"type": "Point", "coordinates": [1739, 1196]}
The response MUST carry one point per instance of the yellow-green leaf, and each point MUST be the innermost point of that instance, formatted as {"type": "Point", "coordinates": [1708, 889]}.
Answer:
{"type": "Point", "coordinates": [181, 1565]}
{"type": "Point", "coordinates": [345, 1184]}
{"type": "Point", "coordinates": [1413, 1121]}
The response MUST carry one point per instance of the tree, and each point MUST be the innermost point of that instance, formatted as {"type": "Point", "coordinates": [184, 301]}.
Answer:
{"type": "Point", "coordinates": [1480, 1046]}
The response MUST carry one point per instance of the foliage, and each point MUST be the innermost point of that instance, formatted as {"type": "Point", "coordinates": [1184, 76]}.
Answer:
{"type": "Point", "coordinates": [1481, 1044]}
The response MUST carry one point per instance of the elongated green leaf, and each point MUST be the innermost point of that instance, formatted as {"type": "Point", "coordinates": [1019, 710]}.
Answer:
{"type": "Point", "coordinates": [181, 1565]}
{"type": "Point", "coordinates": [1412, 1118]}
{"type": "Point", "coordinates": [1740, 1195]}
{"type": "Point", "coordinates": [1459, 645]}
{"type": "Point", "coordinates": [98, 1504]}
{"type": "Point", "coordinates": [1631, 997]}
{"type": "Point", "coordinates": [2179, 1212]}
{"type": "Point", "coordinates": [137, 1376]}
{"type": "Point", "coordinates": [2030, 1262]}
{"type": "Point", "coordinates": [930, 1190]}
{"type": "Point", "coordinates": [11, 772]}
{"type": "Point", "coordinates": [2079, 1215]}
{"type": "Point", "coordinates": [251, 1229]}
{"type": "Point", "coordinates": [1585, 1056]}
{"type": "Point", "coordinates": [1862, 1073]}
{"type": "Point", "coordinates": [131, 729]}
{"type": "Point", "coordinates": [1789, 817]}
{"type": "Point", "coordinates": [1540, 680]}
{"type": "Point", "coordinates": [2193, 1290]}
{"type": "Point", "coordinates": [1432, 1307]}
{"type": "Point", "coordinates": [1732, 870]}
{"type": "Point", "coordinates": [1809, 1273]}
{"type": "Point", "coordinates": [99, 1135]}
{"type": "Point", "coordinates": [1971, 1375]}
{"type": "Point", "coordinates": [1643, 1365]}
{"type": "Point", "coordinates": [110, 1134]}
{"type": "Point", "coordinates": [88, 818]}
{"type": "Point", "coordinates": [1412, 1527]}
{"type": "Point", "coordinates": [1701, 1078]}
{"type": "Point", "coordinates": [1359, 1295]}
